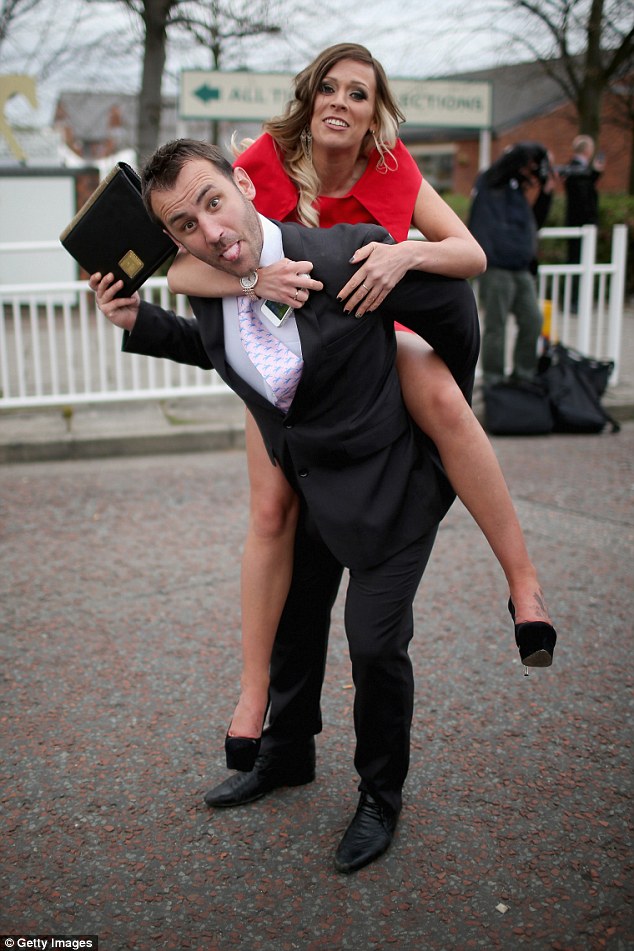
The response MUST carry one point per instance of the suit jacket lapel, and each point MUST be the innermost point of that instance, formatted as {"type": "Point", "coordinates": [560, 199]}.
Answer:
{"type": "Point", "coordinates": [307, 322]}
{"type": "Point", "coordinates": [216, 337]}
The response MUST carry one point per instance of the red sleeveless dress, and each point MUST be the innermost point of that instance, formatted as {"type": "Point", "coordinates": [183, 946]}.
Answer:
{"type": "Point", "coordinates": [382, 198]}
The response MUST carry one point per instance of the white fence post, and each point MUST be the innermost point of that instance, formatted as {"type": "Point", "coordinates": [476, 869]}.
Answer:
{"type": "Point", "coordinates": [617, 295]}
{"type": "Point", "coordinates": [586, 286]}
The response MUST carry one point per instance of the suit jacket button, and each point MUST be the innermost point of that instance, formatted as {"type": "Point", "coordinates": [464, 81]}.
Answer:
{"type": "Point", "coordinates": [288, 425]}
{"type": "Point", "coordinates": [302, 473]}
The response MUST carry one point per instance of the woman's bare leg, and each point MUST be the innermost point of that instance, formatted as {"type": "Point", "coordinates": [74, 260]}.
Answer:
{"type": "Point", "coordinates": [436, 403]}
{"type": "Point", "coordinates": [267, 567]}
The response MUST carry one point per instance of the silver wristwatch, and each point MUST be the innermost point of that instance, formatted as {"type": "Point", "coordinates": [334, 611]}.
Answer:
{"type": "Point", "coordinates": [248, 283]}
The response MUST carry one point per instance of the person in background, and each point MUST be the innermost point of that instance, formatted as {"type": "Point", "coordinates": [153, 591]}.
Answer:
{"type": "Point", "coordinates": [580, 179]}
{"type": "Point", "coordinates": [335, 156]}
{"type": "Point", "coordinates": [510, 202]}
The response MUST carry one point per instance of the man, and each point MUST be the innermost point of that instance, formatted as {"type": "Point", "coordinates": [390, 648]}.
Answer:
{"type": "Point", "coordinates": [580, 178]}
{"type": "Point", "coordinates": [504, 222]}
{"type": "Point", "coordinates": [370, 486]}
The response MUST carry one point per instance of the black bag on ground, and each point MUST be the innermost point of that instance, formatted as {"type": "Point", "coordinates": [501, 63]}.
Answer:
{"type": "Point", "coordinates": [517, 408]}
{"type": "Point", "coordinates": [575, 384]}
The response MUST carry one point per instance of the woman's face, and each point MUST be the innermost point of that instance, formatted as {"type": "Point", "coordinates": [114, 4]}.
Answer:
{"type": "Point", "coordinates": [344, 106]}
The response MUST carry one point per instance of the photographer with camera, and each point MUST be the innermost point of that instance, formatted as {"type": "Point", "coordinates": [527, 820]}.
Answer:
{"type": "Point", "coordinates": [510, 202]}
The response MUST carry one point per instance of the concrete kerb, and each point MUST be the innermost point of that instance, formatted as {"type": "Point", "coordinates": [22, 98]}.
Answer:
{"type": "Point", "coordinates": [154, 428]}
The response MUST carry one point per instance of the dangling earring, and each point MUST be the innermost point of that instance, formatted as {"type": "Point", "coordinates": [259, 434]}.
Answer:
{"type": "Point", "coordinates": [387, 160]}
{"type": "Point", "coordinates": [306, 140]}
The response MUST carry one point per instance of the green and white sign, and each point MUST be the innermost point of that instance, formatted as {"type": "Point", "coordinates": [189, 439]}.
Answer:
{"type": "Point", "coordinates": [244, 96]}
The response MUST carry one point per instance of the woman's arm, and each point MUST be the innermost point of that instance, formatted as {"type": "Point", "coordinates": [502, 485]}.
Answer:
{"type": "Point", "coordinates": [279, 281]}
{"type": "Point", "coordinates": [449, 249]}
{"type": "Point", "coordinates": [188, 275]}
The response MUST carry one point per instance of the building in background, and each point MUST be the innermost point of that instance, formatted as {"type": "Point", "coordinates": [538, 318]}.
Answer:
{"type": "Point", "coordinates": [528, 105]}
{"type": "Point", "coordinates": [94, 127]}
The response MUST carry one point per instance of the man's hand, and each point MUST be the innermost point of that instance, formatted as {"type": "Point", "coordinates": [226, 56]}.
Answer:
{"type": "Point", "coordinates": [120, 311]}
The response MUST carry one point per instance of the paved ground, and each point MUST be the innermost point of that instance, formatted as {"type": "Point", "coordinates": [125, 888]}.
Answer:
{"type": "Point", "coordinates": [120, 632]}
{"type": "Point", "coordinates": [121, 537]}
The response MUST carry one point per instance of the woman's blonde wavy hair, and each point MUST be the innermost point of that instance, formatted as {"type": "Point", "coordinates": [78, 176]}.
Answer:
{"type": "Point", "coordinates": [289, 129]}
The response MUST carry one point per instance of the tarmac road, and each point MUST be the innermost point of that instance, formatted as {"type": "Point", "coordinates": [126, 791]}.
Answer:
{"type": "Point", "coordinates": [120, 638]}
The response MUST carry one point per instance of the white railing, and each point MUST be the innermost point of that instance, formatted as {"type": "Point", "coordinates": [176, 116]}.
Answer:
{"type": "Point", "coordinates": [56, 348]}
{"type": "Point", "coordinates": [595, 325]}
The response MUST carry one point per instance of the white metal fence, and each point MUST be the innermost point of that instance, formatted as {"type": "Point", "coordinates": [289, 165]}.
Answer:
{"type": "Point", "coordinates": [56, 348]}
{"type": "Point", "coordinates": [595, 326]}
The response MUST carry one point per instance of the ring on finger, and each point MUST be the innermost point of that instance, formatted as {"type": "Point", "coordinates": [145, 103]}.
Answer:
{"type": "Point", "coordinates": [368, 289]}
{"type": "Point", "coordinates": [296, 293]}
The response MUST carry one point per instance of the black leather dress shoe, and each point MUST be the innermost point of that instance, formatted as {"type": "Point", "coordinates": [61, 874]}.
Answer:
{"type": "Point", "coordinates": [294, 766]}
{"type": "Point", "coordinates": [369, 835]}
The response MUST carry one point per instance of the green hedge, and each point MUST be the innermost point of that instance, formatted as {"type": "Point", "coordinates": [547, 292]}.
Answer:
{"type": "Point", "coordinates": [614, 210]}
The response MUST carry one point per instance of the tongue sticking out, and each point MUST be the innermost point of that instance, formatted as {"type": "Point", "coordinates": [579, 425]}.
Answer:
{"type": "Point", "coordinates": [232, 253]}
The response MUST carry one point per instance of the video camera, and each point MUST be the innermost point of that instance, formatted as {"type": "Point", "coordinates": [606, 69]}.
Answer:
{"type": "Point", "coordinates": [519, 159]}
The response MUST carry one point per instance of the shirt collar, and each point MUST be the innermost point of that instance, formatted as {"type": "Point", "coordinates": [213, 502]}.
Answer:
{"type": "Point", "coordinates": [272, 248]}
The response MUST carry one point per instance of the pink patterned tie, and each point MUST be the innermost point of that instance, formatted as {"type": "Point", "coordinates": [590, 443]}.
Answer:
{"type": "Point", "coordinates": [278, 365]}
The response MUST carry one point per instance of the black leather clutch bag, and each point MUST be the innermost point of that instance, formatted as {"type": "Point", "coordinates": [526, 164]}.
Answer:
{"type": "Point", "coordinates": [113, 233]}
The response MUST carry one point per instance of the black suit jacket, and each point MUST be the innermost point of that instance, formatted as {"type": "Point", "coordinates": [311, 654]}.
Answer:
{"type": "Point", "coordinates": [371, 481]}
{"type": "Point", "coordinates": [582, 198]}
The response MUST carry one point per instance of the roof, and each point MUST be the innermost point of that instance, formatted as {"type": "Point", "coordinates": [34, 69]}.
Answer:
{"type": "Point", "coordinates": [42, 147]}
{"type": "Point", "coordinates": [520, 92]}
{"type": "Point", "coordinates": [90, 115]}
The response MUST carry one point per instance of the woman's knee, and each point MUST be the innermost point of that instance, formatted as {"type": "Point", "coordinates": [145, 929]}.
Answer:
{"type": "Point", "coordinates": [444, 402]}
{"type": "Point", "coordinates": [273, 510]}
{"type": "Point", "coordinates": [430, 391]}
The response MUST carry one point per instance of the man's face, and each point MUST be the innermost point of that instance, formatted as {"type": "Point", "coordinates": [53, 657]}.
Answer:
{"type": "Point", "coordinates": [212, 216]}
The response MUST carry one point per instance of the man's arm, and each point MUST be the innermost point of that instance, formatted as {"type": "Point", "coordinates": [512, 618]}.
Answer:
{"type": "Point", "coordinates": [120, 311]}
{"type": "Point", "coordinates": [148, 329]}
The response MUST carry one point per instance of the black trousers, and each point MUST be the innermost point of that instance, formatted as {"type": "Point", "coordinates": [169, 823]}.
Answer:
{"type": "Point", "coordinates": [379, 627]}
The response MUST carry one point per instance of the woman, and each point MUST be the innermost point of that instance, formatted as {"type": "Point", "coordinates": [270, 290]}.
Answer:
{"type": "Point", "coordinates": [334, 156]}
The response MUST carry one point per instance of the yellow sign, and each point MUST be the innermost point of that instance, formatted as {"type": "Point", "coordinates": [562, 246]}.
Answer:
{"type": "Point", "coordinates": [10, 86]}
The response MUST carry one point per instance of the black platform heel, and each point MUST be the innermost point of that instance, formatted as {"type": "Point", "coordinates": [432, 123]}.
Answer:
{"type": "Point", "coordinates": [241, 751]}
{"type": "Point", "coordinates": [535, 640]}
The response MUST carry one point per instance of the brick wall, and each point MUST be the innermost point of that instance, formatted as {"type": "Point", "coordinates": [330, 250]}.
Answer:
{"type": "Point", "coordinates": [556, 130]}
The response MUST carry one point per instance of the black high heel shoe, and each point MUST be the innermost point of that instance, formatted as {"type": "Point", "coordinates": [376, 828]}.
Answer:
{"type": "Point", "coordinates": [535, 640]}
{"type": "Point", "coordinates": [242, 751]}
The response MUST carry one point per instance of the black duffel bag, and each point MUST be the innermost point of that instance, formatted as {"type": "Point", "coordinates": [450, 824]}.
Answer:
{"type": "Point", "coordinates": [517, 408]}
{"type": "Point", "coordinates": [575, 384]}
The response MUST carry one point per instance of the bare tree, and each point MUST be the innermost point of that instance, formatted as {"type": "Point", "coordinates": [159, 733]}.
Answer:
{"type": "Point", "coordinates": [210, 24]}
{"type": "Point", "coordinates": [11, 12]}
{"type": "Point", "coordinates": [585, 46]}
{"type": "Point", "coordinates": [157, 16]}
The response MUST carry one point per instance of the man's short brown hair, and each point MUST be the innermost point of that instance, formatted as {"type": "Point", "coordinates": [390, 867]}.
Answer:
{"type": "Point", "coordinates": [164, 166]}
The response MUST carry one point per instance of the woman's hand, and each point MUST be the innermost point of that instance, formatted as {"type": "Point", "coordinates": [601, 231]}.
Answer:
{"type": "Point", "coordinates": [381, 268]}
{"type": "Point", "coordinates": [120, 311]}
{"type": "Point", "coordinates": [288, 282]}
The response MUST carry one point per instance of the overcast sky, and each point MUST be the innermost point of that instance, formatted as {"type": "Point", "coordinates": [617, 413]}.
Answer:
{"type": "Point", "coordinates": [407, 36]}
